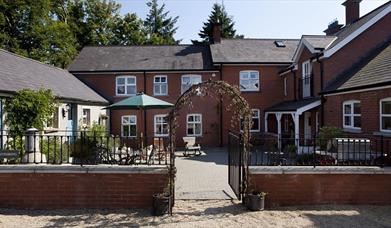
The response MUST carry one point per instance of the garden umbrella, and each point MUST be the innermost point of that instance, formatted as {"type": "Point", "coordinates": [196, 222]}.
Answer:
{"type": "Point", "coordinates": [140, 102]}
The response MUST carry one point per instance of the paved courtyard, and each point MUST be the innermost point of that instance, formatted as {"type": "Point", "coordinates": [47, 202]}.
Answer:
{"type": "Point", "coordinates": [204, 176]}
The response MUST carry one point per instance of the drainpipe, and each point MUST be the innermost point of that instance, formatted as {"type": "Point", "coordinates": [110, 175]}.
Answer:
{"type": "Point", "coordinates": [294, 85]}
{"type": "Point", "coordinates": [221, 109]}
{"type": "Point", "coordinates": [145, 110]}
{"type": "Point", "coordinates": [1, 123]}
{"type": "Point", "coordinates": [322, 99]}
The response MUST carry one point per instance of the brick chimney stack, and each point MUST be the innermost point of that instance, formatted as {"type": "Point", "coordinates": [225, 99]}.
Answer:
{"type": "Point", "coordinates": [216, 27]}
{"type": "Point", "coordinates": [352, 10]}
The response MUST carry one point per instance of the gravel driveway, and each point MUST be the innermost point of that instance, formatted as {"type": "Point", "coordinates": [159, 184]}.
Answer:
{"type": "Point", "coordinates": [205, 213]}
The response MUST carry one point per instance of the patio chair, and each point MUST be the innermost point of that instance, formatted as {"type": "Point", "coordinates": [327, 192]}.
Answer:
{"type": "Point", "coordinates": [190, 145]}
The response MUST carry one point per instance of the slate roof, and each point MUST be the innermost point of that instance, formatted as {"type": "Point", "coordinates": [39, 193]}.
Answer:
{"type": "Point", "coordinates": [291, 106]}
{"type": "Point", "coordinates": [319, 41]}
{"type": "Point", "coordinates": [373, 70]}
{"type": "Point", "coordinates": [349, 29]}
{"type": "Point", "coordinates": [253, 51]}
{"type": "Point", "coordinates": [143, 57]}
{"type": "Point", "coordinates": [17, 72]}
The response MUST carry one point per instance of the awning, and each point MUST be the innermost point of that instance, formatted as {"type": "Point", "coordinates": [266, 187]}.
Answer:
{"type": "Point", "coordinates": [295, 106]}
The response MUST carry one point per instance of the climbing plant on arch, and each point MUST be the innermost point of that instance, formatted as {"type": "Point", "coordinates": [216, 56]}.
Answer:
{"type": "Point", "coordinates": [216, 89]}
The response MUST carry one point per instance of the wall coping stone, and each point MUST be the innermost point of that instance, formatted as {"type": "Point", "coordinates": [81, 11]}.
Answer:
{"type": "Point", "coordinates": [68, 168]}
{"type": "Point", "coordinates": [319, 170]}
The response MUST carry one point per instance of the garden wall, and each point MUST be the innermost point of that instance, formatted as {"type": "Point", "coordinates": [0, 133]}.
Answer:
{"type": "Point", "coordinates": [322, 185]}
{"type": "Point", "coordinates": [67, 186]}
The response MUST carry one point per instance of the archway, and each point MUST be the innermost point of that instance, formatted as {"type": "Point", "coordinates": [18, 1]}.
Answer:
{"type": "Point", "coordinates": [238, 106]}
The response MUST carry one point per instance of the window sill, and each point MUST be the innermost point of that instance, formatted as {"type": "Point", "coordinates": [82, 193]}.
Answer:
{"type": "Point", "coordinates": [382, 133]}
{"type": "Point", "coordinates": [350, 130]}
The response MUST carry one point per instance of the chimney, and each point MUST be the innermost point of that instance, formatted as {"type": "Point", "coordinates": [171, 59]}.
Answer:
{"type": "Point", "coordinates": [352, 10]}
{"type": "Point", "coordinates": [216, 27]}
{"type": "Point", "coordinates": [333, 28]}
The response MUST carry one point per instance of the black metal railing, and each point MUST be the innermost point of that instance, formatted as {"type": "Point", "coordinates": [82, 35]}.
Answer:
{"type": "Point", "coordinates": [349, 150]}
{"type": "Point", "coordinates": [82, 148]}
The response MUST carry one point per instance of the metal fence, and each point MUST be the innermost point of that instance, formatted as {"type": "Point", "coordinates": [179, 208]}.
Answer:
{"type": "Point", "coordinates": [82, 147]}
{"type": "Point", "coordinates": [349, 150]}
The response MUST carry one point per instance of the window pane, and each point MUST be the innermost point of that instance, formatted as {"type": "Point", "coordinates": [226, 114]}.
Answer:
{"type": "Point", "coordinates": [131, 80]}
{"type": "Point", "coordinates": [348, 109]}
{"type": "Point", "coordinates": [386, 107]}
{"type": "Point", "coordinates": [156, 89]}
{"type": "Point", "coordinates": [132, 130]}
{"type": "Point", "coordinates": [120, 89]}
{"type": "Point", "coordinates": [254, 75]}
{"type": "Point", "coordinates": [357, 121]}
{"type": "Point", "coordinates": [190, 118]}
{"type": "Point", "coordinates": [131, 89]}
{"type": "Point", "coordinates": [125, 130]}
{"type": "Point", "coordinates": [197, 129]}
{"type": "Point", "coordinates": [244, 75]}
{"type": "Point", "coordinates": [157, 79]}
{"type": "Point", "coordinates": [125, 120]}
{"type": "Point", "coordinates": [386, 123]}
{"type": "Point", "coordinates": [190, 130]}
{"type": "Point", "coordinates": [197, 118]}
{"type": "Point", "coordinates": [163, 89]}
{"type": "Point", "coordinates": [185, 80]}
{"type": "Point", "coordinates": [357, 108]}
{"type": "Point", "coordinates": [120, 81]}
{"type": "Point", "coordinates": [163, 79]}
{"type": "Point", "coordinates": [347, 121]}
{"type": "Point", "coordinates": [255, 126]}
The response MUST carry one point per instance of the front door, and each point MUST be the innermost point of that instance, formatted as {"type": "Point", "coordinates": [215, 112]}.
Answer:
{"type": "Point", "coordinates": [307, 126]}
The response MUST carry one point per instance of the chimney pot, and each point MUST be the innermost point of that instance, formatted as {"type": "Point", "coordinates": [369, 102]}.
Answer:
{"type": "Point", "coordinates": [216, 32]}
{"type": "Point", "coordinates": [352, 10]}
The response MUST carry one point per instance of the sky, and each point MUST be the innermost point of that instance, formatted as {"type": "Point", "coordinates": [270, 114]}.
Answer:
{"type": "Point", "coordinates": [255, 18]}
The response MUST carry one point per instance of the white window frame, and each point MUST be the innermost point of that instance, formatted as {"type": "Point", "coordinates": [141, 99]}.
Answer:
{"type": "Point", "coordinates": [285, 86]}
{"type": "Point", "coordinates": [352, 115]}
{"type": "Point", "coordinates": [155, 125]}
{"type": "Point", "coordinates": [194, 123]}
{"type": "Point", "coordinates": [125, 77]}
{"type": "Point", "coordinates": [198, 76]}
{"type": "Point", "coordinates": [249, 73]}
{"type": "Point", "coordinates": [130, 124]}
{"type": "Point", "coordinates": [160, 85]}
{"type": "Point", "coordinates": [86, 117]}
{"type": "Point", "coordinates": [381, 115]}
{"type": "Point", "coordinates": [306, 78]}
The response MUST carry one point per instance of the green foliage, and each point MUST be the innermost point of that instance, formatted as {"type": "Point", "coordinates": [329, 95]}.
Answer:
{"type": "Point", "coordinates": [159, 26]}
{"type": "Point", "coordinates": [56, 152]}
{"type": "Point", "coordinates": [218, 14]}
{"type": "Point", "coordinates": [29, 108]}
{"type": "Point", "coordinates": [292, 149]}
{"type": "Point", "coordinates": [326, 134]}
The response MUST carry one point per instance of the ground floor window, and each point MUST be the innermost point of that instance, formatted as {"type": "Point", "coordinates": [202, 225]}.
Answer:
{"type": "Point", "coordinates": [161, 125]}
{"type": "Point", "coordinates": [352, 114]}
{"type": "Point", "coordinates": [86, 118]}
{"type": "Point", "coordinates": [194, 125]}
{"type": "Point", "coordinates": [129, 126]}
{"type": "Point", "coordinates": [256, 121]}
{"type": "Point", "coordinates": [385, 115]}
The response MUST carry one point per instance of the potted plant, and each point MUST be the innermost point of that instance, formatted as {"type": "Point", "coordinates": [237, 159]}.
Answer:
{"type": "Point", "coordinates": [255, 201]}
{"type": "Point", "coordinates": [162, 202]}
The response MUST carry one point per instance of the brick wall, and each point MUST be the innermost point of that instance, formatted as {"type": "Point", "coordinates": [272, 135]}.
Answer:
{"type": "Point", "coordinates": [370, 108]}
{"type": "Point", "coordinates": [310, 189]}
{"type": "Point", "coordinates": [79, 190]}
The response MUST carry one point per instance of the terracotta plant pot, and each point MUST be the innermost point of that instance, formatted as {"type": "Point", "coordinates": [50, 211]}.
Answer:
{"type": "Point", "coordinates": [255, 202]}
{"type": "Point", "coordinates": [161, 204]}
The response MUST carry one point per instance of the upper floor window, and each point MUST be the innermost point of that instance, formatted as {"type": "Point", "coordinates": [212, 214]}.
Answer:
{"type": "Point", "coordinates": [385, 114]}
{"type": "Point", "coordinates": [126, 85]}
{"type": "Point", "coordinates": [129, 126]}
{"type": "Point", "coordinates": [160, 85]}
{"type": "Point", "coordinates": [255, 119]}
{"type": "Point", "coordinates": [306, 78]}
{"type": "Point", "coordinates": [194, 125]}
{"type": "Point", "coordinates": [249, 80]}
{"type": "Point", "coordinates": [352, 114]}
{"type": "Point", "coordinates": [189, 80]}
{"type": "Point", "coordinates": [161, 125]}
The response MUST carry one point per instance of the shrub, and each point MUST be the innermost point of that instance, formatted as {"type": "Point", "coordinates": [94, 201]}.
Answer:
{"type": "Point", "coordinates": [326, 134]}
{"type": "Point", "coordinates": [56, 151]}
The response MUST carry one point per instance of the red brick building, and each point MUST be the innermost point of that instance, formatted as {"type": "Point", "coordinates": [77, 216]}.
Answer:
{"type": "Point", "coordinates": [293, 86]}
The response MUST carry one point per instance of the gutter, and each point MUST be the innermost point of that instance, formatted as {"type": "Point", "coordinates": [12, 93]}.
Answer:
{"type": "Point", "coordinates": [370, 86]}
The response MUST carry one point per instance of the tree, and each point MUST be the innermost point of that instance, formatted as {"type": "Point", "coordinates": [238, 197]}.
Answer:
{"type": "Point", "coordinates": [159, 26]}
{"type": "Point", "coordinates": [218, 14]}
{"type": "Point", "coordinates": [29, 108]}
{"type": "Point", "coordinates": [129, 30]}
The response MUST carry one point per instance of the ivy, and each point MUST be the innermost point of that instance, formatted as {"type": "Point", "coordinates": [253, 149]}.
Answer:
{"type": "Point", "coordinates": [29, 108]}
